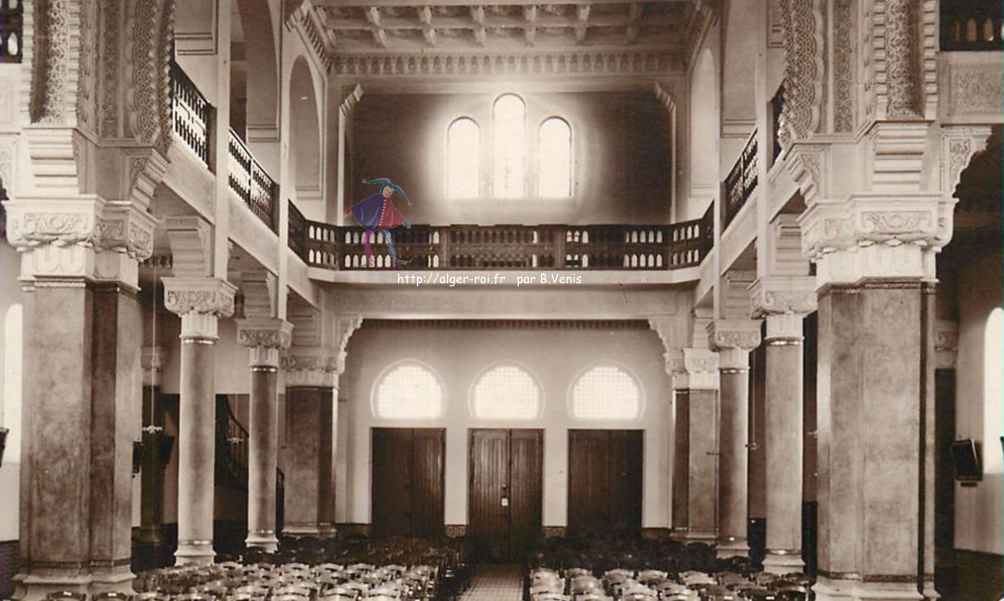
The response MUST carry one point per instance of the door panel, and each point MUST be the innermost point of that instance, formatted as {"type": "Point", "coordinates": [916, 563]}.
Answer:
{"type": "Point", "coordinates": [391, 482]}
{"type": "Point", "coordinates": [605, 481]}
{"type": "Point", "coordinates": [427, 482]}
{"type": "Point", "coordinates": [526, 475]}
{"type": "Point", "coordinates": [408, 468]}
{"type": "Point", "coordinates": [489, 520]}
{"type": "Point", "coordinates": [505, 500]}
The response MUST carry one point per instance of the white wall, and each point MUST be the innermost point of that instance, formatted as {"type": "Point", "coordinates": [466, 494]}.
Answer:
{"type": "Point", "coordinates": [554, 357]}
{"type": "Point", "coordinates": [979, 510]}
{"type": "Point", "coordinates": [10, 398]}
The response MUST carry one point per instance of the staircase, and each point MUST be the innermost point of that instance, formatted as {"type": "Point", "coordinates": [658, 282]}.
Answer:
{"type": "Point", "coordinates": [232, 448]}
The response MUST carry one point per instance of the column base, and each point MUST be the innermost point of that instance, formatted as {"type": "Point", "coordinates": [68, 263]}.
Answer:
{"type": "Point", "coordinates": [32, 587]}
{"type": "Point", "coordinates": [783, 561]}
{"type": "Point", "coordinates": [326, 530]}
{"type": "Point", "coordinates": [263, 539]}
{"type": "Point", "coordinates": [199, 553]}
{"type": "Point", "coordinates": [732, 547]}
{"type": "Point", "coordinates": [300, 530]}
{"type": "Point", "coordinates": [678, 534]}
{"type": "Point", "coordinates": [117, 579]}
{"type": "Point", "coordinates": [853, 589]}
{"type": "Point", "coordinates": [696, 536]}
{"type": "Point", "coordinates": [930, 593]}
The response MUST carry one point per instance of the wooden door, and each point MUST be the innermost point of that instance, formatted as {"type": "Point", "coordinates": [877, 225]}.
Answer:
{"type": "Point", "coordinates": [526, 477]}
{"type": "Point", "coordinates": [505, 497]}
{"type": "Point", "coordinates": [605, 481]}
{"type": "Point", "coordinates": [407, 492]}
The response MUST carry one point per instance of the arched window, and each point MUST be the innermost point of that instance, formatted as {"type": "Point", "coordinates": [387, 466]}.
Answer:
{"type": "Point", "coordinates": [506, 392]}
{"type": "Point", "coordinates": [408, 391]}
{"type": "Point", "coordinates": [10, 410]}
{"type": "Point", "coordinates": [555, 165]}
{"type": "Point", "coordinates": [606, 392]}
{"type": "Point", "coordinates": [509, 156]}
{"type": "Point", "coordinates": [993, 392]}
{"type": "Point", "coordinates": [463, 150]}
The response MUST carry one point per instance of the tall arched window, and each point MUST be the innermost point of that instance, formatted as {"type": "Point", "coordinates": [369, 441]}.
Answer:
{"type": "Point", "coordinates": [506, 392]}
{"type": "Point", "coordinates": [606, 392]}
{"type": "Point", "coordinates": [463, 151]}
{"type": "Point", "coordinates": [408, 391]}
{"type": "Point", "coordinates": [13, 330]}
{"type": "Point", "coordinates": [555, 166]}
{"type": "Point", "coordinates": [993, 392]}
{"type": "Point", "coordinates": [509, 156]}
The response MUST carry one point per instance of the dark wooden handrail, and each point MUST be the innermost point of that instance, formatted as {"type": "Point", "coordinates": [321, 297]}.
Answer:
{"type": "Point", "coordinates": [741, 181]}
{"type": "Point", "coordinates": [192, 115]}
{"type": "Point", "coordinates": [249, 180]}
{"type": "Point", "coordinates": [297, 240]}
{"type": "Point", "coordinates": [513, 247]}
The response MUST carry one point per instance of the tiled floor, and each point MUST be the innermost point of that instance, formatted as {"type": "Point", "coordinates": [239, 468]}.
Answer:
{"type": "Point", "coordinates": [495, 583]}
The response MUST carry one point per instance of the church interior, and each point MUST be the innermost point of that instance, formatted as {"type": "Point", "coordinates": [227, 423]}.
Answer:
{"type": "Point", "coordinates": [573, 300]}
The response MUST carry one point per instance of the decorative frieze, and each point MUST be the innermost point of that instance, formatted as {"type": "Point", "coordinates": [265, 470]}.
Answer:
{"type": "Point", "coordinates": [804, 70]}
{"type": "Point", "coordinates": [781, 294]}
{"type": "Point", "coordinates": [200, 302]}
{"type": "Point", "coordinates": [312, 367]}
{"type": "Point", "coordinates": [958, 145]}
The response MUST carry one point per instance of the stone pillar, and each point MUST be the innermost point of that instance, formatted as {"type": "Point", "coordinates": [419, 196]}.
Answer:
{"type": "Point", "coordinates": [875, 262]}
{"type": "Point", "coordinates": [695, 383]}
{"type": "Point", "coordinates": [309, 476]}
{"type": "Point", "coordinates": [81, 375]}
{"type": "Point", "coordinates": [265, 338]}
{"type": "Point", "coordinates": [784, 301]}
{"type": "Point", "coordinates": [200, 302]}
{"type": "Point", "coordinates": [152, 474]}
{"type": "Point", "coordinates": [734, 340]}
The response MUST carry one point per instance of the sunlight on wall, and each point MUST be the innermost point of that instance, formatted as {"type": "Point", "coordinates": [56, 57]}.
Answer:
{"type": "Point", "coordinates": [463, 150]}
{"type": "Point", "coordinates": [555, 159]}
{"type": "Point", "coordinates": [509, 133]}
{"type": "Point", "coordinates": [993, 392]}
{"type": "Point", "coordinates": [408, 391]}
{"type": "Point", "coordinates": [11, 416]}
{"type": "Point", "coordinates": [506, 392]}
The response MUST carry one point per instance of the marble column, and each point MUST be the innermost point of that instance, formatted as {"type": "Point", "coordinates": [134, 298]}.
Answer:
{"type": "Point", "coordinates": [734, 340]}
{"type": "Point", "coordinates": [81, 374]}
{"type": "Point", "coordinates": [784, 443]}
{"type": "Point", "coordinates": [695, 382]}
{"type": "Point", "coordinates": [309, 422]}
{"type": "Point", "coordinates": [200, 302]}
{"type": "Point", "coordinates": [152, 474]}
{"type": "Point", "coordinates": [265, 338]}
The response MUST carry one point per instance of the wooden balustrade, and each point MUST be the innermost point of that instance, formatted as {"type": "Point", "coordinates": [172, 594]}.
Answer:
{"type": "Point", "coordinates": [741, 181]}
{"type": "Point", "coordinates": [252, 183]}
{"type": "Point", "coordinates": [191, 114]}
{"type": "Point", "coordinates": [297, 232]}
{"type": "Point", "coordinates": [11, 31]}
{"type": "Point", "coordinates": [972, 25]}
{"type": "Point", "coordinates": [513, 247]}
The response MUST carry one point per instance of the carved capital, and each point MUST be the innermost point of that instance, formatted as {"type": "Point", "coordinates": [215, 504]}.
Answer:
{"type": "Point", "coordinates": [200, 302]}
{"type": "Point", "coordinates": [127, 228]}
{"type": "Point", "coordinates": [742, 334]}
{"type": "Point", "coordinates": [695, 369]}
{"type": "Point", "coordinates": [264, 332]}
{"type": "Point", "coordinates": [873, 236]}
{"type": "Point", "coordinates": [37, 221]}
{"type": "Point", "coordinates": [778, 295]}
{"type": "Point", "coordinates": [312, 367]}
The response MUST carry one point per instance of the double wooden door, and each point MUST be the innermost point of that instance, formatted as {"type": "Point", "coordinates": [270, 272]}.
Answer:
{"type": "Point", "coordinates": [505, 500]}
{"type": "Point", "coordinates": [408, 472]}
{"type": "Point", "coordinates": [605, 481]}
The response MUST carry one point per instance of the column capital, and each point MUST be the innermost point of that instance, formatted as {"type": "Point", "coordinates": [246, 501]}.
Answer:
{"type": "Point", "coordinates": [200, 302]}
{"type": "Point", "coordinates": [693, 369]}
{"type": "Point", "coordinates": [876, 236]}
{"type": "Point", "coordinates": [313, 367]}
{"type": "Point", "coordinates": [265, 337]}
{"type": "Point", "coordinates": [783, 294]}
{"type": "Point", "coordinates": [734, 339]}
{"type": "Point", "coordinates": [82, 236]}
